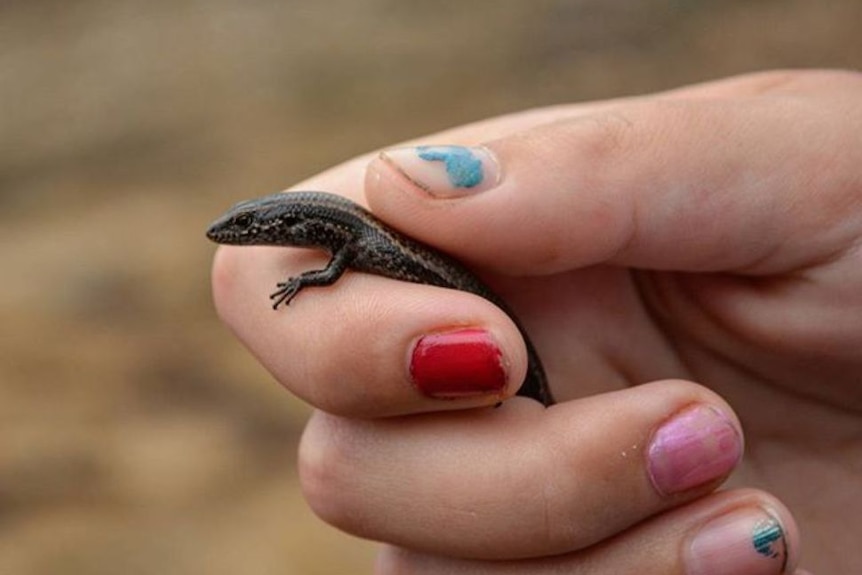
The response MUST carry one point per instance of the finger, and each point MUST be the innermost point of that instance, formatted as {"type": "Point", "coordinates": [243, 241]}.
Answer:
{"type": "Point", "coordinates": [348, 177]}
{"type": "Point", "coordinates": [743, 532]}
{"type": "Point", "coordinates": [519, 481]}
{"type": "Point", "coordinates": [368, 346]}
{"type": "Point", "coordinates": [693, 184]}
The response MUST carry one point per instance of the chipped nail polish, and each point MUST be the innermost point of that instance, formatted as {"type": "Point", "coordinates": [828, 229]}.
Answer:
{"type": "Point", "coordinates": [446, 171]}
{"type": "Point", "coordinates": [460, 363]}
{"type": "Point", "coordinates": [696, 446]}
{"type": "Point", "coordinates": [747, 540]}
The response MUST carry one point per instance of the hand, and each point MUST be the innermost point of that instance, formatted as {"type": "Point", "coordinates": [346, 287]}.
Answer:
{"type": "Point", "coordinates": [707, 235]}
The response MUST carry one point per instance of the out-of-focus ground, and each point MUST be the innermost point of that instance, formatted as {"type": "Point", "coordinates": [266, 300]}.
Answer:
{"type": "Point", "coordinates": [136, 435]}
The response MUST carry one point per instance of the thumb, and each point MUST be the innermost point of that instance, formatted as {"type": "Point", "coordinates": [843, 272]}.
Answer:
{"type": "Point", "coordinates": [754, 185]}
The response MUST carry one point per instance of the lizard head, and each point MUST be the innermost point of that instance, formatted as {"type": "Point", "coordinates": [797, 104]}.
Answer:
{"type": "Point", "coordinates": [270, 220]}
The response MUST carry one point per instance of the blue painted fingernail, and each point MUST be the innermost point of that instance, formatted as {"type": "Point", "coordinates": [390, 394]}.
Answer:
{"type": "Point", "coordinates": [446, 171]}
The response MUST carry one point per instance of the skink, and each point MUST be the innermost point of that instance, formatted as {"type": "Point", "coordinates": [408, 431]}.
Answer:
{"type": "Point", "coordinates": [356, 240]}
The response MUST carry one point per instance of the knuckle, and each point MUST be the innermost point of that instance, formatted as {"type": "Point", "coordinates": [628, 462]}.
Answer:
{"type": "Point", "coordinates": [605, 136]}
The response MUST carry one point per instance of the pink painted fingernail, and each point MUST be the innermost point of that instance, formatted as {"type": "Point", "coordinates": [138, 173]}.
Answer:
{"type": "Point", "coordinates": [749, 541]}
{"type": "Point", "coordinates": [696, 446]}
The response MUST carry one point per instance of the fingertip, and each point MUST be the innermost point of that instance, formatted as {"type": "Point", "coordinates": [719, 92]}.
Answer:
{"type": "Point", "coordinates": [225, 277]}
{"type": "Point", "coordinates": [222, 276]}
{"type": "Point", "coordinates": [697, 446]}
{"type": "Point", "coordinates": [788, 530]}
{"type": "Point", "coordinates": [241, 277]}
{"type": "Point", "coordinates": [748, 529]}
{"type": "Point", "coordinates": [399, 201]}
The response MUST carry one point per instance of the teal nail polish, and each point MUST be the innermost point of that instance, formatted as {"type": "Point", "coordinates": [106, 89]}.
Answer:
{"type": "Point", "coordinates": [446, 171]}
{"type": "Point", "coordinates": [463, 167]}
{"type": "Point", "coordinates": [764, 536]}
{"type": "Point", "coordinates": [746, 540]}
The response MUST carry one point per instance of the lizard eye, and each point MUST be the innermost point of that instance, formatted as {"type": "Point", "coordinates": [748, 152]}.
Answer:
{"type": "Point", "coordinates": [243, 220]}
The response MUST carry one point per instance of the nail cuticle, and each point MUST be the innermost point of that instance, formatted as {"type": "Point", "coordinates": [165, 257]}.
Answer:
{"type": "Point", "coordinates": [387, 159]}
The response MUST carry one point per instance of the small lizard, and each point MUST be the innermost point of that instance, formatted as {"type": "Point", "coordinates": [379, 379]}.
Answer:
{"type": "Point", "coordinates": [356, 240]}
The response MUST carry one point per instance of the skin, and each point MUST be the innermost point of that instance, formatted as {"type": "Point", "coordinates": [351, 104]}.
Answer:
{"type": "Point", "coordinates": [692, 247]}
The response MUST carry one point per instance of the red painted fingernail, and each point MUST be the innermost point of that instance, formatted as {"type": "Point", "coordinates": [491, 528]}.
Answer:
{"type": "Point", "coordinates": [459, 363]}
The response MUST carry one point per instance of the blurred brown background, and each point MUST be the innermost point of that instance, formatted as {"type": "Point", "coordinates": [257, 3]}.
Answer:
{"type": "Point", "coordinates": [136, 435]}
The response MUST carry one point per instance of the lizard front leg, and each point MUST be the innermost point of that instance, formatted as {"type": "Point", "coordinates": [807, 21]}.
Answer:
{"type": "Point", "coordinates": [287, 290]}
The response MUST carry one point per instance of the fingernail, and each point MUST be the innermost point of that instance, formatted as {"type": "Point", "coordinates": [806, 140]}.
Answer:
{"type": "Point", "coordinates": [749, 541]}
{"type": "Point", "coordinates": [696, 446]}
{"type": "Point", "coordinates": [460, 363]}
{"type": "Point", "coordinates": [446, 171]}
